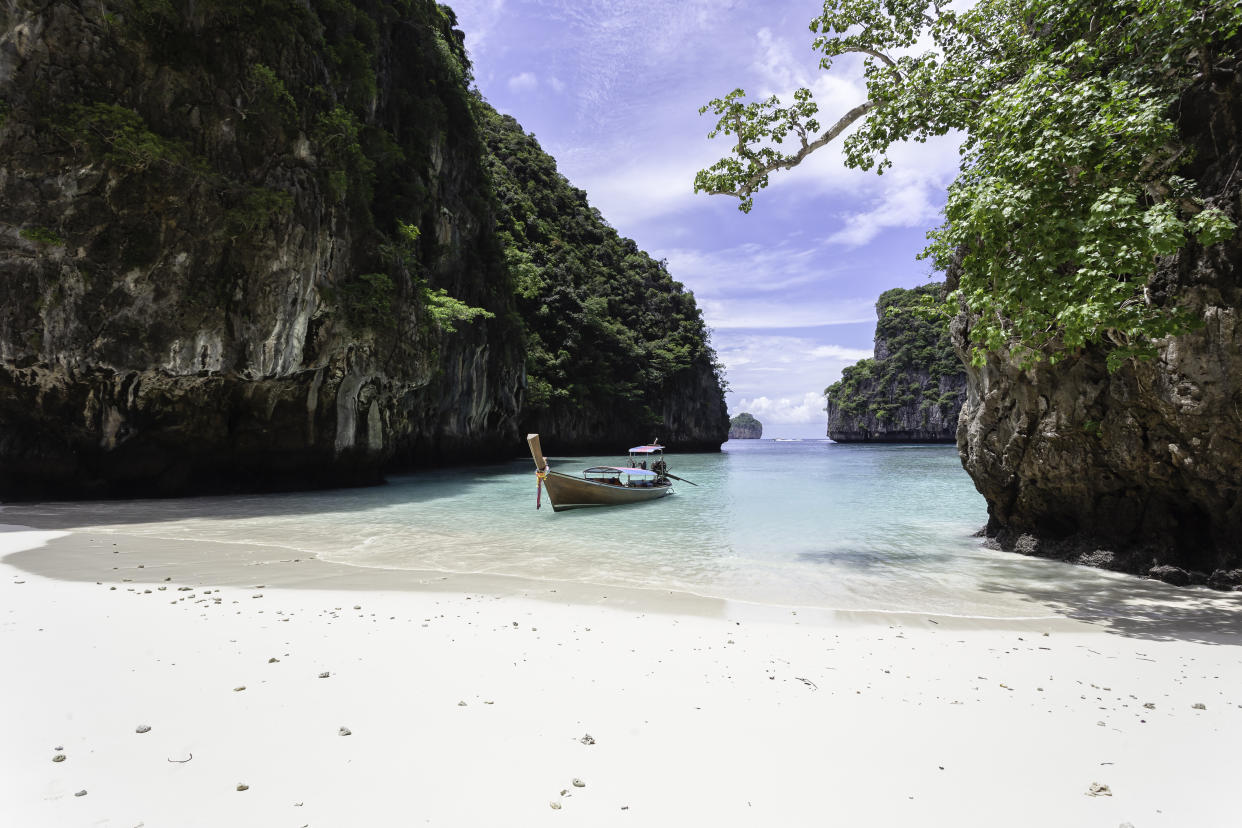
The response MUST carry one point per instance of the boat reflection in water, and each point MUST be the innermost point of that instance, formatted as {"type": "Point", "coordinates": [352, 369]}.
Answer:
{"type": "Point", "coordinates": [646, 478]}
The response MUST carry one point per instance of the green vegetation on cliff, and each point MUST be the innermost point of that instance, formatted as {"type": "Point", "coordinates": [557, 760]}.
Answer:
{"type": "Point", "coordinates": [1070, 188]}
{"type": "Point", "coordinates": [608, 329]}
{"type": "Point", "coordinates": [303, 78]}
{"type": "Point", "coordinates": [913, 353]}
{"type": "Point", "coordinates": [745, 427]}
{"type": "Point", "coordinates": [745, 420]}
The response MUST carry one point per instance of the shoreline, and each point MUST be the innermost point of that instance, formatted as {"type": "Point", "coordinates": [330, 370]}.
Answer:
{"type": "Point", "coordinates": [79, 557]}
{"type": "Point", "coordinates": [467, 700]}
{"type": "Point", "coordinates": [77, 554]}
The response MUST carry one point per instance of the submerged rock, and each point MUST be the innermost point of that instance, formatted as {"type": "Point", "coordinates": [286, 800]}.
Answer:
{"type": "Point", "coordinates": [1170, 575]}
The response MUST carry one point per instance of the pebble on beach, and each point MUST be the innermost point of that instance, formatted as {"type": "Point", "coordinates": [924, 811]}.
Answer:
{"type": "Point", "coordinates": [242, 786]}
{"type": "Point", "coordinates": [578, 783]}
{"type": "Point", "coordinates": [345, 731]}
{"type": "Point", "coordinates": [324, 674]}
{"type": "Point", "coordinates": [81, 792]}
{"type": "Point", "coordinates": [142, 729]}
{"type": "Point", "coordinates": [60, 757]}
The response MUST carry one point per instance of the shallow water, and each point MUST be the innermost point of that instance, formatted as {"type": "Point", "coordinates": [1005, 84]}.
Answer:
{"type": "Point", "coordinates": [810, 523]}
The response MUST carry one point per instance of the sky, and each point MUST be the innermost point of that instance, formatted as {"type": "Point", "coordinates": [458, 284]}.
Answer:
{"type": "Point", "coordinates": [612, 88]}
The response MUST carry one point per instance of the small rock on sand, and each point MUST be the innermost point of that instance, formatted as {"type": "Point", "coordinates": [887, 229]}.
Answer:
{"type": "Point", "coordinates": [81, 792]}
{"type": "Point", "coordinates": [578, 783]}
{"type": "Point", "coordinates": [273, 660]}
{"type": "Point", "coordinates": [1097, 789]}
{"type": "Point", "coordinates": [345, 731]}
{"type": "Point", "coordinates": [461, 704]}
{"type": "Point", "coordinates": [324, 674]}
{"type": "Point", "coordinates": [554, 805]}
{"type": "Point", "coordinates": [1199, 706]}
{"type": "Point", "coordinates": [588, 739]}
{"type": "Point", "coordinates": [142, 729]}
{"type": "Point", "coordinates": [60, 757]}
{"type": "Point", "coordinates": [239, 688]}
{"type": "Point", "coordinates": [242, 786]}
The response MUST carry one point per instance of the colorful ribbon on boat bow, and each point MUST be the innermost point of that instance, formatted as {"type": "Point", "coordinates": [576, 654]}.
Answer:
{"type": "Point", "coordinates": [539, 478]}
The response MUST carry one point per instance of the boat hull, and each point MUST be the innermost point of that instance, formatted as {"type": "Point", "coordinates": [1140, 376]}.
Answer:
{"type": "Point", "coordinates": [568, 492]}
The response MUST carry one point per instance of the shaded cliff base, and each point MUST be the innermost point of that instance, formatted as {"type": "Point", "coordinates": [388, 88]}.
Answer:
{"type": "Point", "coordinates": [1139, 560]}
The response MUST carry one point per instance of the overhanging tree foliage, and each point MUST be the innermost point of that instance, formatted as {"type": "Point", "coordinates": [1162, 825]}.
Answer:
{"type": "Point", "coordinates": [1068, 191]}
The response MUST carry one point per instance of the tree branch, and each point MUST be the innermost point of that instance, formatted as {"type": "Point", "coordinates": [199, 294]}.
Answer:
{"type": "Point", "coordinates": [748, 187]}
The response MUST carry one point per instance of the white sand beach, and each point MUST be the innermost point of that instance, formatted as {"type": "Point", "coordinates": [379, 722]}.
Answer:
{"type": "Point", "coordinates": [340, 696]}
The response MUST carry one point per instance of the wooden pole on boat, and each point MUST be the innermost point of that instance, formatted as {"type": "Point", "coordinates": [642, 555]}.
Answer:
{"type": "Point", "coordinates": [536, 452]}
{"type": "Point", "coordinates": [541, 466]}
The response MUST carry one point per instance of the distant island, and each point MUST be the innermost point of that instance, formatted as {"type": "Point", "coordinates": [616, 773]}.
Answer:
{"type": "Point", "coordinates": [745, 427]}
{"type": "Point", "coordinates": [911, 391]}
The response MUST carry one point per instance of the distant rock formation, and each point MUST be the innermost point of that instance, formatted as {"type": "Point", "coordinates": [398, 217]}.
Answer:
{"type": "Point", "coordinates": [911, 391]}
{"type": "Point", "coordinates": [745, 427]}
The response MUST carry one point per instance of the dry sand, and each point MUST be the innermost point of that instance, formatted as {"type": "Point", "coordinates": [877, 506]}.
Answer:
{"type": "Point", "coordinates": [468, 702]}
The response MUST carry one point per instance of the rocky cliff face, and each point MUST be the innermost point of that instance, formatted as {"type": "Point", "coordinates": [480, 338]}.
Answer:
{"type": "Point", "coordinates": [1139, 470]}
{"type": "Point", "coordinates": [911, 391]}
{"type": "Point", "coordinates": [617, 351]}
{"type": "Point", "coordinates": [249, 246]}
{"type": "Point", "coordinates": [204, 283]}
{"type": "Point", "coordinates": [745, 427]}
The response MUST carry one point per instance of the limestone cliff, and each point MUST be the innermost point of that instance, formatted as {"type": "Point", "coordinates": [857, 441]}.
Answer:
{"type": "Point", "coordinates": [745, 427]}
{"type": "Point", "coordinates": [911, 390]}
{"type": "Point", "coordinates": [617, 351]}
{"type": "Point", "coordinates": [254, 246]}
{"type": "Point", "coordinates": [1137, 470]}
{"type": "Point", "coordinates": [204, 280]}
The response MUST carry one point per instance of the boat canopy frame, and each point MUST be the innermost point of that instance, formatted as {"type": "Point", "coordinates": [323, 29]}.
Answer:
{"type": "Point", "coordinates": [615, 470]}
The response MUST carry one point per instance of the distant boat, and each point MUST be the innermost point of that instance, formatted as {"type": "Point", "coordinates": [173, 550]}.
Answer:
{"type": "Point", "coordinates": [788, 439]}
{"type": "Point", "coordinates": [604, 485]}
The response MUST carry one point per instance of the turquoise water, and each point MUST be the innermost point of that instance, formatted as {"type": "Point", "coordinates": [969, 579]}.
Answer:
{"type": "Point", "coordinates": [807, 523]}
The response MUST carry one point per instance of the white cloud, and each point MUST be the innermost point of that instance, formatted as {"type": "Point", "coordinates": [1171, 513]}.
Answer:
{"type": "Point", "coordinates": [911, 201]}
{"type": "Point", "coordinates": [752, 268]}
{"type": "Point", "coordinates": [478, 18]}
{"type": "Point", "coordinates": [781, 369]}
{"type": "Point", "coordinates": [524, 82]}
{"type": "Point", "coordinates": [809, 408]}
{"type": "Point", "coordinates": [774, 353]}
{"type": "Point", "coordinates": [778, 68]}
{"type": "Point", "coordinates": [794, 312]}
{"type": "Point", "coordinates": [642, 187]}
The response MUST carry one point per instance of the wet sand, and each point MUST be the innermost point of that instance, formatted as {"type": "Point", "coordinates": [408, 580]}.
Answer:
{"type": "Point", "coordinates": [469, 699]}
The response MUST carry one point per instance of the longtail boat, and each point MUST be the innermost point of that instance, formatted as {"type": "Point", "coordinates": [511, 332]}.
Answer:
{"type": "Point", "coordinates": [603, 485]}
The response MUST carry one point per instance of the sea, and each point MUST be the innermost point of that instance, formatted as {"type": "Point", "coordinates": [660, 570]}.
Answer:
{"type": "Point", "coordinates": [798, 523]}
